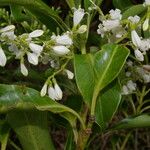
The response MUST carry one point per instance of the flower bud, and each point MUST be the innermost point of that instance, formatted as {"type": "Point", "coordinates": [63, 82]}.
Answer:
{"type": "Point", "coordinates": [58, 92]}
{"type": "Point", "coordinates": [82, 29]}
{"type": "Point", "coordinates": [24, 70]}
{"type": "Point", "coordinates": [44, 90]}
{"type": "Point", "coordinates": [139, 55]}
{"type": "Point", "coordinates": [146, 24]}
{"type": "Point", "coordinates": [51, 93]}
{"type": "Point", "coordinates": [135, 38]}
{"type": "Point", "coordinates": [61, 50]}
{"type": "Point", "coordinates": [69, 74]}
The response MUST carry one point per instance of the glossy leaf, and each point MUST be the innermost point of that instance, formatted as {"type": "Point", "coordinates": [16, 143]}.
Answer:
{"type": "Point", "coordinates": [39, 9]}
{"type": "Point", "coordinates": [140, 121]}
{"type": "Point", "coordinates": [19, 97]}
{"type": "Point", "coordinates": [107, 104]}
{"type": "Point", "coordinates": [134, 10]}
{"type": "Point", "coordinates": [31, 127]}
{"type": "Point", "coordinates": [94, 72]}
{"type": "Point", "coordinates": [122, 5]}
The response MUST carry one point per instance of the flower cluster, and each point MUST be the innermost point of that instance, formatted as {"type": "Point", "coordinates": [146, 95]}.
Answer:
{"type": "Point", "coordinates": [34, 48]}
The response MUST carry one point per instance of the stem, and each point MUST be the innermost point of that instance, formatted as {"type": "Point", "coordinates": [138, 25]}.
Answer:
{"type": "Point", "coordinates": [140, 100]}
{"type": "Point", "coordinates": [14, 145]}
{"type": "Point", "coordinates": [125, 141]}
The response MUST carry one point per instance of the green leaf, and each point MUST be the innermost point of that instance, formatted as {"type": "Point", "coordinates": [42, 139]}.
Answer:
{"type": "Point", "coordinates": [16, 12]}
{"type": "Point", "coordinates": [107, 104]}
{"type": "Point", "coordinates": [31, 127]}
{"type": "Point", "coordinates": [39, 9]}
{"type": "Point", "coordinates": [19, 97]}
{"type": "Point", "coordinates": [94, 72]}
{"type": "Point", "coordinates": [73, 3]}
{"type": "Point", "coordinates": [4, 134]}
{"type": "Point", "coordinates": [122, 5]}
{"type": "Point", "coordinates": [140, 121]}
{"type": "Point", "coordinates": [134, 10]}
{"type": "Point", "coordinates": [88, 4]}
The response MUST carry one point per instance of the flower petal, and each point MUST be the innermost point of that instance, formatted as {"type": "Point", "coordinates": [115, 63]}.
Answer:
{"type": "Point", "coordinates": [36, 33]}
{"type": "Point", "coordinates": [32, 58]}
{"type": "Point", "coordinates": [58, 92]}
{"type": "Point", "coordinates": [7, 28]}
{"type": "Point", "coordinates": [36, 48]}
{"type": "Point", "coordinates": [3, 58]}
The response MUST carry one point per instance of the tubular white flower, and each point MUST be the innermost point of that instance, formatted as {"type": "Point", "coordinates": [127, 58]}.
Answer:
{"type": "Point", "coordinates": [64, 40]}
{"type": "Point", "coordinates": [60, 50]}
{"type": "Point", "coordinates": [82, 29]}
{"type": "Point", "coordinates": [3, 58]}
{"type": "Point", "coordinates": [77, 16]}
{"type": "Point", "coordinates": [51, 93]}
{"type": "Point", "coordinates": [146, 24]}
{"type": "Point", "coordinates": [36, 33]}
{"type": "Point", "coordinates": [58, 92]}
{"type": "Point", "coordinates": [139, 55]}
{"type": "Point", "coordinates": [36, 48]}
{"type": "Point", "coordinates": [32, 58]}
{"type": "Point", "coordinates": [69, 74]}
{"type": "Point", "coordinates": [7, 28]}
{"type": "Point", "coordinates": [135, 38]}
{"type": "Point", "coordinates": [24, 70]}
{"type": "Point", "coordinates": [44, 90]}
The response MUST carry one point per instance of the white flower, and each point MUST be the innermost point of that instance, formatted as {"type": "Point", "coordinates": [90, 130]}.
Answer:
{"type": "Point", "coordinates": [24, 70]}
{"type": "Point", "coordinates": [146, 3]}
{"type": "Point", "coordinates": [3, 58]}
{"type": "Point", "coordinates": [51, 93]}
{"type": "Point", "coordinates": [144, 45]}
{"type": "Point", "coordinates": [60, 50]}
{"type": "Point", "coordinates": [131, 85]}
{"type": "Point", "coordinates": [146, 24]}
{"type": "Point", "coordinates": [32, 58]}
{"type": "Point", "coordinates": [58, 92]}
{"type": "Point", "coordinates": [82, 29]}
{"type": "Point", "coordinates": [134, 19]}
{"type": "Point", "coordinates": [63, 40]}
{"type": "Point", "coordinates": [115, 14]}
{"type": "Point", "coordinates": [44, 90]}
{"type": "Point", "coordinates": [135, 38]}
{"type": "Point", "coordinates": [146, 78]}
{"type": "Point", "coordinates": [110, 24]}
{"type": "Point", "coordinates": [139, 55]}
{"type": "Point", "coordinates": [36, 48]}
{"type": "Point", "coordinates": [36, 33]}
{"type": "Point", "coordinates": [69, 74]}
{"type": "Point", "coordinates": [77, 16]}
